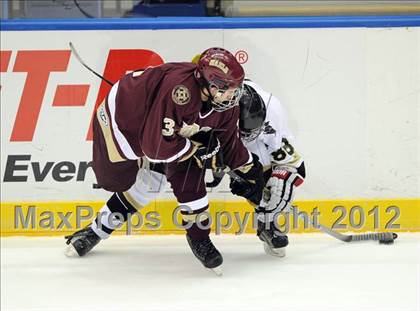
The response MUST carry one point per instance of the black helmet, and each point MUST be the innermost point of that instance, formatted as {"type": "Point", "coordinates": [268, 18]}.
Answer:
{"type": "Point", "coordinates": [253, 112]}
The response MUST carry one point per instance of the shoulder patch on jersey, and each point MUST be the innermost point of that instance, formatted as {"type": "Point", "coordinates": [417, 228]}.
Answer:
{"type": "Point", "coordinates": [181, 95]}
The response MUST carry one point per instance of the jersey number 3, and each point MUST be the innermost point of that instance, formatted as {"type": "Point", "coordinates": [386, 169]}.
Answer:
{"type": "Point", "coordinates": [168, 127]}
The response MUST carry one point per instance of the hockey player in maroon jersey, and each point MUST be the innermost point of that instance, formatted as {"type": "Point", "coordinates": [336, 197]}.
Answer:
{"type": "Point", "coordinates": [179, 115]}
{"type": "Point", "coordinates": [264, 131]}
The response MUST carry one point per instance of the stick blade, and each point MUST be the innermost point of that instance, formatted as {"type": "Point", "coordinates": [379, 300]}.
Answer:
{"type": "Point", "coordinates": [388, 238]}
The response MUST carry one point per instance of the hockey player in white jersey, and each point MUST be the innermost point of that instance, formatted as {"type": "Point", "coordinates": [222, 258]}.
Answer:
{"type": "Point", "coordinates": [264, 130]}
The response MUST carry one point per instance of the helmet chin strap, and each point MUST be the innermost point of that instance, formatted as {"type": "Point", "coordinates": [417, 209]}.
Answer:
{"type": "Point", "coordinates": [206, 100]}
{"type": "Point", "coordinates": [209, 98]}
{"type": "Point", "coordinates": [205, 92]}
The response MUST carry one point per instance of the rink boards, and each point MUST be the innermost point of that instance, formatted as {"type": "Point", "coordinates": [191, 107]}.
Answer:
{"type": "Point", "coordinates": [235, 217]}
{"type": "Point", "coordinates": [350, 87]}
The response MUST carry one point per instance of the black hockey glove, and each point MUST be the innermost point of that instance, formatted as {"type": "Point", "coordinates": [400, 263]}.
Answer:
{"type": "Point", "coordinates": [207, 155]}
{"type": "Point", "coordinates": [252, 186]}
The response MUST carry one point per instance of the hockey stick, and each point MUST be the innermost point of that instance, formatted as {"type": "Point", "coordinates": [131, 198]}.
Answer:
{"type": "Point", "coordinates": [73, 49]}
{"type": "Point", "coordinates": [381, 237]}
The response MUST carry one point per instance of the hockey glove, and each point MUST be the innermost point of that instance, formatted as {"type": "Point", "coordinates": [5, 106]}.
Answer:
{"type": "Point", "coordinates": [281, 186]}
{"type": "Point", "coordinates": [252, 186]}
{"type": "Point", "coordinates": [207, 155]}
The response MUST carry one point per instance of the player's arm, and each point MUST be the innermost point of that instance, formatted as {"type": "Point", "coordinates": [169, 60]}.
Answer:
{"type": "Point", "coordinates": [288, 167]}
{"type": "Point", "coordinates": [207, 151]}
{"type": "Point", "coordinates": [288, 172]}
{"type": "Point", "coordinates": [238, 158]}
{"type": "Point", "coordinates": [252, 189]}
{"type": "Point", "coordinates": [234, 152]}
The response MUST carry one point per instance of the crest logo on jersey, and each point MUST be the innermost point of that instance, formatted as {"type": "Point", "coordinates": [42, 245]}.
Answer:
{"type": "Point", "coordinates": [181, 95]}
{"type": "Point", "coordinates": [217, 63]}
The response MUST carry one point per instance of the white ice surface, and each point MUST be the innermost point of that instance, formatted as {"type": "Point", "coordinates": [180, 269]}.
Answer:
{"type": "Point", "coordinates": [160, 273]}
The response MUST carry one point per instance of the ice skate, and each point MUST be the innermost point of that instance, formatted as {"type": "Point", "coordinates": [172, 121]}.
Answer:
{"type": "Point", "coordinates": [207, 253]}
{"type": "Point", "coordinates": [275, 242]}
{"type": "Point", "coordinates": [81, 242]}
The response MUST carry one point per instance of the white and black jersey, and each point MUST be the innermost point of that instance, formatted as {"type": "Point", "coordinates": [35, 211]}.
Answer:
{"type": "Point", "coordinates": [269, 146]}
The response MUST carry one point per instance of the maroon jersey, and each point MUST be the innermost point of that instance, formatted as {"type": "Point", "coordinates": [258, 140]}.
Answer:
{"type": "Point", "coordinates": [153, 113]}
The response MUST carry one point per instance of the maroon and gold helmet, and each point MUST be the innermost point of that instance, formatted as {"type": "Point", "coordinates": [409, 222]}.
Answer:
{"type": "Point", "coordinates": [218, 68]}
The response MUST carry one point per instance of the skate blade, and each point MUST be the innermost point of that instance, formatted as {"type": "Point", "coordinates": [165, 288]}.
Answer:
{"type": "Point", "coordinates": [70, 251]}
{"type": "Point", "coordinates": [218, 270]}
{"type": "Point", "coordinates": [277, 252]}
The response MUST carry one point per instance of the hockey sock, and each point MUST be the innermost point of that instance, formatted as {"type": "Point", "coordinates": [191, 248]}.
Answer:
{"type": "Point", "coordinates": [196, 223]}
{"type": "Point", "coordinates": [112, 215]}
